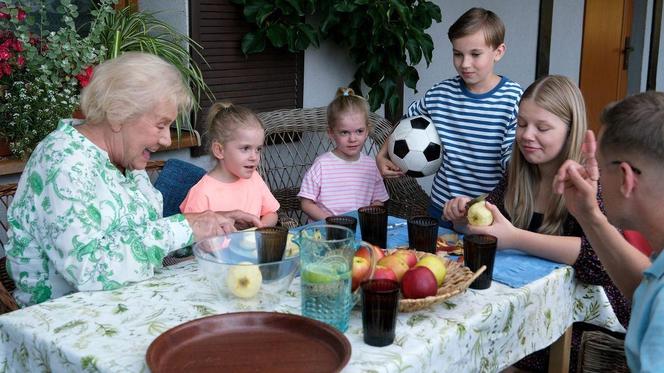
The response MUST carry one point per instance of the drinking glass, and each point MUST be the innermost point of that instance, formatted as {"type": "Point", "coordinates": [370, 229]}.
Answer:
{"type": "Point", "coordinates": [343, 220]}
{"type": "Point", "coordinates": [373, 225]}
{"type": "Point", "coordinates": [271, 243]}
{"type": "Point", "coordinates": [479, 250]}
{"type": "Point", "coordinates": [423, 233]}
{"type": "Point", "coordinates": [380, 305]}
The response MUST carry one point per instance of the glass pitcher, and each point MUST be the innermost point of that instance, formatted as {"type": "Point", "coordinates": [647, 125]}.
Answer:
{"type": "Point", "coordinates": [326, 264]}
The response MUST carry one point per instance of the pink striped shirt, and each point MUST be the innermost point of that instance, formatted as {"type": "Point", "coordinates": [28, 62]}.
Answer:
{"type": "Point", "coordinates": [338, 186]}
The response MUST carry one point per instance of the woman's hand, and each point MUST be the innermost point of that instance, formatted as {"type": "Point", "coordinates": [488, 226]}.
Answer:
{"type": "Point", "coordinates": [501, 228]}
{"type": "Point", "coordinates": [210, 223]}
{"type": "Point", "coordinates": [243, 220]}
{"type": "Point", "coordinates": [385, 166]}
{"type": "Point", "coordinates": [455, 210]}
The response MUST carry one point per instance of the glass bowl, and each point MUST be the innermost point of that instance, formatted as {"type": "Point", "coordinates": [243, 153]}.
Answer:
{"type": "Point", "coordinates": [232, 267]}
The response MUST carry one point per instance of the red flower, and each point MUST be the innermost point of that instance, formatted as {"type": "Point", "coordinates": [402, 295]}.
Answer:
{"type": "Point", "coordinates": [21, 15]}
{"type": "Point", "coordinates": [6, 68]}
{"type": "Point", "coordinates": [85, 76]}
{"type": "Point", "coordinates": [20, 61]}
{"type": "Point", "coordinates": [4, 15]}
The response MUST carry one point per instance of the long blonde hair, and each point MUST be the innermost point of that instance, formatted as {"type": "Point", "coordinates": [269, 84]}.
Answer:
{"type": "Point", "coordinates": [561, 97]}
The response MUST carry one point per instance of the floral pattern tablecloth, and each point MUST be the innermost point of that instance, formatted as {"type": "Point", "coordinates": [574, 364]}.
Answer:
{"type": "Point", "coordinates": [477, 331]}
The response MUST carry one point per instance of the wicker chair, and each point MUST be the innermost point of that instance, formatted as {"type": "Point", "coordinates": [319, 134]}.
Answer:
{"type": "Point", "coordinates": [600, 352]}
{"type": "Point", "coordinates": [296, 137]}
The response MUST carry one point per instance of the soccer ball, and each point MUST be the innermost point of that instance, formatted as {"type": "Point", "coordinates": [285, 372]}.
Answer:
{"type": "Point", "coordinates": [415, 146]}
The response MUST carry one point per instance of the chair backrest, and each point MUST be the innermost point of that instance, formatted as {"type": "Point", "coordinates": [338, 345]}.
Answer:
{"type": "Point", "coordinates": [601, 352]}
{"type": "Point", "coordinates": [294, 139]}
{"type": "Point", "coordinates": [174, 182]}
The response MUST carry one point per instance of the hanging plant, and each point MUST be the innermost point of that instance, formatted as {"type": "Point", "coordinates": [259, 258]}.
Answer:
{"type": "Point", "coordinates": [385, 39]}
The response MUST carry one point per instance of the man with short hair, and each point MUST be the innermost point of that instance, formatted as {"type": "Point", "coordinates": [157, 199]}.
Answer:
{"type": "Point", "coordinates": [631, 157]}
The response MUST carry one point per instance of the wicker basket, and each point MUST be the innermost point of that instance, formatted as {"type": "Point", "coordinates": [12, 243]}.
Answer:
{"type": "Point", "coordinates": [457, 280]}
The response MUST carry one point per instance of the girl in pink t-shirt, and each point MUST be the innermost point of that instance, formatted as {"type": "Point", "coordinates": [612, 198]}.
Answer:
{"type": "Point", "coordinates": [345, 178]}
{"type": "Point", "coordinates": [235, 140]}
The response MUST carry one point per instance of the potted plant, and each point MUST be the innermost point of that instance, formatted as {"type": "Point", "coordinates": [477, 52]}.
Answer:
{"type": "Point", "coordinates": [43, 87]}
{"type": "Point", "coordinates": [384, 38]}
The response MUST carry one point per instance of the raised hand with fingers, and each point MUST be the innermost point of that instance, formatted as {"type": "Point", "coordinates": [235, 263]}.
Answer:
{"type": "Point", "coordinates": [578, 183]}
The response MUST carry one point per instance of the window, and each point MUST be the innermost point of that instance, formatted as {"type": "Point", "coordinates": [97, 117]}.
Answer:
{"type": "Point", "coordinates": [266, 81]}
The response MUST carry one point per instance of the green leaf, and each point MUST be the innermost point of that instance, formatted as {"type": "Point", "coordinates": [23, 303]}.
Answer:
{"type": "Point", "coordinates": [414, 51]}
{"type": "Point", "coordinates": [411, 78]}
{"type": "Point", "coordinates": [253, 42]}
{"type": "Point", "coordinates": [277, 34]}
{"type": "Point", "coordinates": [310, 34]}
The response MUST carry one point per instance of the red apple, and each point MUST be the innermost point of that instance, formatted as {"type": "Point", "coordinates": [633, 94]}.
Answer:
{"type": "Point", "coordinates": [361, 269]}
{"type": "Point", "coordinates": [407, 255]}
{"type": "Point", "coordinates": [418, 282]}
{"type": "Point", "coordinates": [364, 252]}
{"type": "Point", "coordinates": [396, 264]}
{"type": "Point", "coordinates": [384, 273]}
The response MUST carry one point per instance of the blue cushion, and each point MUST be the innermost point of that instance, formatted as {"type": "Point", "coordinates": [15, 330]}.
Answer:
{"type": "Point", "coordinates": [174, 182]}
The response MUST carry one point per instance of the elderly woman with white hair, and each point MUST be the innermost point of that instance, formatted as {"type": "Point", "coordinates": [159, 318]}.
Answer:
{"type": "Point", "coordinates": [85, 215]}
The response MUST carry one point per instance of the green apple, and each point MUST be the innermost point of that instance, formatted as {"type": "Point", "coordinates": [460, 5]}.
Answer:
{"type": "Point", "coordinates": [479, 215]}
{"type": "Point", "coordinates": [436, 265]}
{"type": "Point", "coordinates": [244, 280]}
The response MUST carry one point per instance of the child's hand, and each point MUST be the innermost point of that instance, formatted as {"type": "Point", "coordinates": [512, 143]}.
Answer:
{"type": "Point", "coordinates": [386, 168]}
{"type": "Point", "coordinates": [455, 209]}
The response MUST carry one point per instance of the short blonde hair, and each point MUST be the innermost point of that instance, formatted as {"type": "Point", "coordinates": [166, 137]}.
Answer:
{"type": "Point", "coordinates": [476, 19]}
{"type": "Point", "coordinates": [345, 101]}
{"type": "Point", "coordinates": [130, 86]}
{"type": "Point", "coordinates": [225, 118]}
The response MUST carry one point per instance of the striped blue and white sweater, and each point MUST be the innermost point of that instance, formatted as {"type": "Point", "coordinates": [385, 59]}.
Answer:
{"type": "Point", "coordinates": [477, 132]}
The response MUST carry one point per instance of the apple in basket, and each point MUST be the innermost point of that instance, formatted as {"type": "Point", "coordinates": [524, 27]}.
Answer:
{"type": "Point", "coordinates": [407, 255]}
{"type": "Point", "coordinates": [384, 273]}
{"type": "Point", "coordinates": [364, 252]}
{"type": "Point", "coordinates": [419, 282]}
{"type": "Point", "coordinates": [437, 266]}
{"type": "Point", "coordinates": [361, 269]}
{"type": "Point", "coordinates": [396, 264]}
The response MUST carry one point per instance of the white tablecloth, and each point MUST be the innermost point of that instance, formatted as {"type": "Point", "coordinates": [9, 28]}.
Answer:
{"type": "Point", "coordinates": [484, 330]}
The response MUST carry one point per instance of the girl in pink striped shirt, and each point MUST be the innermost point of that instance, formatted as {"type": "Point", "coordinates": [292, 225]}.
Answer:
{"type": "Point", "coordinates": [345, 178]}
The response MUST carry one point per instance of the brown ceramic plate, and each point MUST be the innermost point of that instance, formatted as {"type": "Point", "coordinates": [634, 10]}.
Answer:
{"type": "Point", "coordinates": [250, 342]}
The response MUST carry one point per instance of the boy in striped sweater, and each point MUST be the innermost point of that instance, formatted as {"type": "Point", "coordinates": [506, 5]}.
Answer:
{"type": "Point", "coordinates": [474, 113]}
{"type": "Point", "coordinates": [345, 178]}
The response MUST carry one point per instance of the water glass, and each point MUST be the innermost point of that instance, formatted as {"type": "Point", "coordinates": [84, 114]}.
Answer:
{"type": "Point", "coordinates": [343, 220]}
{"type": "Point", "coordinates": [423, 233]}
{"type": "Point", "coordinates": [373, 225]}
{"type": "Point", "coordinates": [480, 250]}
{"type": "Point", "coordinates": [380, 305]}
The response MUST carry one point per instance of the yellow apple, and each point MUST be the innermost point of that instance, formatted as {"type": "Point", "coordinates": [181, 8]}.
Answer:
{"type": "Point", "coordinates": [479, 215]}
{"type": "Point", "coordinates": [244, 280]}
{"type": "Point", "coordinates": [436, 265]}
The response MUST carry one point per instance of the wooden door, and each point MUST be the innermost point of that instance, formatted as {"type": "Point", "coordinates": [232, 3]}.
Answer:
{"type": "Point", "coordinates": [604, 54]}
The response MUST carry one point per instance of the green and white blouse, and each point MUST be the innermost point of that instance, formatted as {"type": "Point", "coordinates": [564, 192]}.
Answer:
{"type": "Point", "coordinates": [78, 224]}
